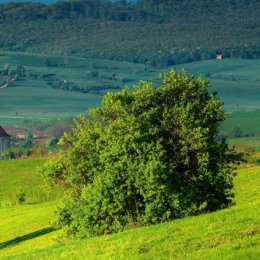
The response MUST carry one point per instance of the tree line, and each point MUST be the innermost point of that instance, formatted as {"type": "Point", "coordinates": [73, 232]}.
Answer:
{"type": "Point", "coordinates": [139, 10]}
{"type": "Point", "coordinates": [159, 33]}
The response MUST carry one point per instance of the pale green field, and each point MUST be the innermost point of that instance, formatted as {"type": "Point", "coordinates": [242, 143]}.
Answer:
{"type": "Point", "coordinates": [19, 103]}
{"type": "Point", "coordinates": [30, 98]}
{"type": "Point", "coordinates": [237, 82]}
{"type": "Point", "coordinates": [230, 234]}
{"type": "Point", "coordinates": [246, 142]}
{"type": "Point", "coordinates": [248, 122]}
{"type": "Point", "coordinates": [21, 174]}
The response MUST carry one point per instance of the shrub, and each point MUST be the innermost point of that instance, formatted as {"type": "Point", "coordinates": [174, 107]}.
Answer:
{"type": "Point", "coordinates": [144, 157]}
{"type": "Point", "coordinates": [20, 196]}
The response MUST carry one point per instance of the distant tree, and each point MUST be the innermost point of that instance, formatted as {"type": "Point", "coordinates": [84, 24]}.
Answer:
{"type": "Point", "coordinates": [66, 62]}
{"type": "Point", "coordinates": [20, 196]}
{"type": "Point", "coordinates": [95, 73]}
{"type": "Point", "coordinates": [7, 67]}
{"type": "Point", "coordinates": [144, 157]}
{"type": "Point", "coordinates": [46, 62]}
{"type": "Point", "coordinates": [236, 132]}
{"type": "Point", "coordinates": [20, 70]}
{"type": "Point", "coordinates": [27, 144]}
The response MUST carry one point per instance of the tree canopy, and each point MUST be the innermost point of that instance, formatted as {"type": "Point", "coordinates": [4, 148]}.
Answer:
{"type": "Point", "coordinates": [146, 156]}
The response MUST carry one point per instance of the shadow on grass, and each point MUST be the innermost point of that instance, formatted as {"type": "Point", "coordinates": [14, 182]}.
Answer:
{"type": "Point", "coordinates": [23, 238]}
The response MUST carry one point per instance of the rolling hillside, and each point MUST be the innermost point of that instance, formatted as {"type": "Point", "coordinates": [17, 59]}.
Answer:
{"type": "Point", "coordinates": [68, 86]}
{"type": "Point", "coordinates": [59, 57]}
{"type": "Point", "coordinates": [230, 234]}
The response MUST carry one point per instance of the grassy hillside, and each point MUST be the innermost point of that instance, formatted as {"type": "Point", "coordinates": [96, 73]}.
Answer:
{"type": "Point", "coordinates": [236, 81]}
{"type": "Point", "coordinates": [43, 95]}
{"type": "Point", "coordinates": [247, 121]}
{"type": "Point", "coordinates": [246, 142]}
{"type": "Point", "coordinates": [21, 174]}
{"type": "Point", "coordinates": [230, 234]}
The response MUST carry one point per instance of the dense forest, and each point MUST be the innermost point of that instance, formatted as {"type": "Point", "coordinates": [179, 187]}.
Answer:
{"type": "Point", "coordinates": [154, 32]}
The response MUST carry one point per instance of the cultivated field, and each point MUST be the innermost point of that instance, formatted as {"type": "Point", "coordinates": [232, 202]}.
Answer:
{"type": "Point", "coordinates": [26, 232]}
{"type": "Point", "coordinates": [49, 89]}
{"type": "Point", "coordinates": [236, 81]}
{"type": "Point", "coordinates": [246, 142]}
{"type": "Point", "coordinates": [44, 92]}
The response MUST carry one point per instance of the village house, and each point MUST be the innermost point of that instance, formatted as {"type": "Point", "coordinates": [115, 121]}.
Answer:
{"type": "Point", "coordinates": [219, 56]}
{"type": "Point", "coordinates": [5, 143]}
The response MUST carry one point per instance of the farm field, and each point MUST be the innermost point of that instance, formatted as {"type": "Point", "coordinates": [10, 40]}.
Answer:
{"type": "Point", "coordinates": [40, 96]}
{"type": "Point", "coordinates": [236, 81]}
{"type": "Point", "coordinates": [19, 103]}
{"type": "Point", "coordinates": [253, 142]}
{"type": "Point", "coordinates": [248, 122]}
{"type": "Point", "coordinates": [233, 233]}
{"type": "Point", "coordinates": [43, 94]}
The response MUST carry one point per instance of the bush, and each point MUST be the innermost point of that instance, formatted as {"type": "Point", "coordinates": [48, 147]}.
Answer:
{"type": "Point", "coordinates": [145, 157]}
{"type": "Point", "coordinates": [20, 196]}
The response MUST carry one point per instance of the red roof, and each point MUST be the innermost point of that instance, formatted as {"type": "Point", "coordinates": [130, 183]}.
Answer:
{"type": "Point", "coordinates": [3, 132]}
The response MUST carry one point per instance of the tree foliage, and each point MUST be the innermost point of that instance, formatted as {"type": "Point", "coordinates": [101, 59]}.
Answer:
{"type": "Point", "coordinates": [144, 157]}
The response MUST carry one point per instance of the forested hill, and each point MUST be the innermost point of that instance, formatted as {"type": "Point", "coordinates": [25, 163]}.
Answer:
{"type": "Point", "coordinates": [243, 12]}
{"type": "Point", "coordinates": [36, 1]}
{"type": "Point", "coordinates": [161, 32]}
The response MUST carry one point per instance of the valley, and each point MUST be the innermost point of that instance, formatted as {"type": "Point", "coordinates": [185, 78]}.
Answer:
{"type": "Point", "coordinates": [129, 130]}
{"type": "Point", "coordinates": [68, 86]}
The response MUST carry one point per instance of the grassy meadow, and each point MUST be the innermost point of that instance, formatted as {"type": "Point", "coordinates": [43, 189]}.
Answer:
{"type": "Point", "coordinates": [237, 82]}
{"type": "Point", "coordinates": [253, 142]}
{"type": "Point", "coordinates": [248, 121]}
{"type": "Point", "coordinates": [26, 231]}
{"type": "Point", "coordinates": [39, 97]}
{"type": "Point", "coordinates": [18, 175]}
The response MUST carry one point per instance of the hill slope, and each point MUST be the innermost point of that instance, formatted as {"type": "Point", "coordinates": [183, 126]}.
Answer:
{"type": "Point", "coordinates": [41, 93]}
{"type": "Point", "coordinates": [230, 234]}
{"type": "Point", "coordinates": [152, 32]}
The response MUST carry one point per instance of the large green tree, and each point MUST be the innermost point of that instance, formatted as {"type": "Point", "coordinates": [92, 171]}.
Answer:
{"type": "Point", "coordinates": [146, 156]}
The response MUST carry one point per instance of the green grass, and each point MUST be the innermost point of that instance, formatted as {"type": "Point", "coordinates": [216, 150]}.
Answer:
{"type": "Point", "coordinates": [237, 82]}
{"type": "Point", "coordinates": [22, 174]}
{"type": "Point", "coordinates": [243, 142]}
{"type": "Point", "coordinates": [248, 122]}
{"type": "Point", "coordinates": [19, 103]}
{"type": "Point", "coordinates": [30, 98]}
{"type": "Point", "coordinates": [230, 234]}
